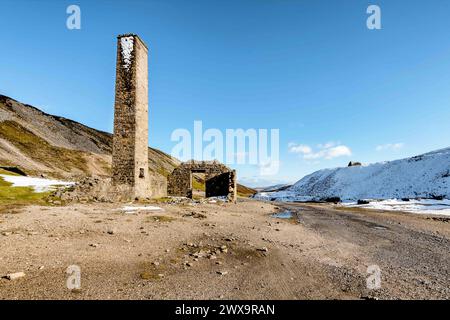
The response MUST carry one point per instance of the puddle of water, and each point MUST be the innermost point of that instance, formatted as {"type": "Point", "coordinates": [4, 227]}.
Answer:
{"type": "Point", "coordinates": [283, 215]}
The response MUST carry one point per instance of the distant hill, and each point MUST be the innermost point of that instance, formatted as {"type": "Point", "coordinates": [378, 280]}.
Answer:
{"type": "Point", "coordinates": [277, 187]}
{"type": "Point", "coordinates": [424, 176]}
{"type": "Point", "coordinates": [43, 144]}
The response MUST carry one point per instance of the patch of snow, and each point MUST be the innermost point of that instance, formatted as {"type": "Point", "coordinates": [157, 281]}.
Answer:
{"type": "Point", "coordinates": [216, 199]}
{"type": "Point", "coordinates": [127, 47]}
{"type": "Point", "coordinates": [38, 184]}
{"type": "Point", "coordinates": [132, 209]}
{"type": "Point", "coordinates": [423, 206]}
{"type": "Point", "coordinates": [283, 196]}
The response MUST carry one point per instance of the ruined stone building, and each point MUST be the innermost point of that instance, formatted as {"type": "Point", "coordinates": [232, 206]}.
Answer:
{"type": "Point", "coordinates": [219, 179]}
{"type": "Point", "coordinates": [130, 172]}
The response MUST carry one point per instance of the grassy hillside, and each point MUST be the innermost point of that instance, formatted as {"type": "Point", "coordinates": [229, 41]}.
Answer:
{"type": "Point", "coordinates": [40, 143]}
{"type": "Point", "coordinates": [41, 151]}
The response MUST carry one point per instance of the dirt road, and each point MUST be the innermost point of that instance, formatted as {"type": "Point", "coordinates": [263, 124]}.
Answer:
{"type": "Point", "coordinates": [412, 252]}
{"type": "Point", "coordinates": [221, 251]}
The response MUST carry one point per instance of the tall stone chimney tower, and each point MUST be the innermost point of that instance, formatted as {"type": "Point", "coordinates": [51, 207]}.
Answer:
{"type": "Point", "coordinates": [130, 142]}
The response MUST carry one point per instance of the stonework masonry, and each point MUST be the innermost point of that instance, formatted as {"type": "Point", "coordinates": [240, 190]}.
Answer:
{"type": "Point", "coordinates": [219, 179]}
{"type": "Point", "coordinates": [130, 172]}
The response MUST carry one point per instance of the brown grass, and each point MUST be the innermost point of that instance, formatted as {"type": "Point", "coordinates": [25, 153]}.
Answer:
{"type": "Point", "coordinates": [160, 219]}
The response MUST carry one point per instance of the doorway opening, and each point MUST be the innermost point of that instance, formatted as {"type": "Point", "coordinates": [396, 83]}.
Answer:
{"type": "Point", "coordinates": [198, 184]}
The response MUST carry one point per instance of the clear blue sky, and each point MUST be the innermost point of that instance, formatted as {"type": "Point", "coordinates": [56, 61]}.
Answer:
{"type": "Point", "coordinates": [310, 68]}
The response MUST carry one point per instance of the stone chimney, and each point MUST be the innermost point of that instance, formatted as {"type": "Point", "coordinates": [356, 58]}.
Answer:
{"type": "Point", "coordinates": [130, 142]}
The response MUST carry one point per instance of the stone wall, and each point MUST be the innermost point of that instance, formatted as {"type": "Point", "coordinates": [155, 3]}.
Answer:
{"type": "Point", "coordinates": [130, 142]}
{"type": "Point", "coordinates": [219, 179]}
{"type": "Point", "coordinates": [158, 186]}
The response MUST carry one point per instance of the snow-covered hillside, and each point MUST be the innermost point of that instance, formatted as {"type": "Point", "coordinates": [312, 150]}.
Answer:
{"type": "Point", "coordinates": [424, 176]}
{"type": "Point", "coordinates": [277, 187]}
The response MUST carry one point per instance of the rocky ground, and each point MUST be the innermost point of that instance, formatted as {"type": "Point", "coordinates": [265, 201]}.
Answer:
{"type": "Point", "coordinates": [221, 251]}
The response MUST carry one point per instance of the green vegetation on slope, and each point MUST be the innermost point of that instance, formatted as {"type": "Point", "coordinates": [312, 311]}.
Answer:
{"type": "Point", "coordinates": [40, 150]}
{"type": "Point", "coordinates": [198, 183]}
{"type": "Point", "coordinates": [9, 173]}
{"type": "Point", "coordinates": [244, 191]}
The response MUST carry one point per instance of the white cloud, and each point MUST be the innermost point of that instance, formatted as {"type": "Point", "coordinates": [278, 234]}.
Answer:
{"type": "Point", "coordinates": [302, 149]}
{"type": "Point", "coordinates": [327, 151]}
{"type": "Point", "coordinates": [338, 151]}
{"type": "Point", "coordinates": [390, 146]}
{"type": "Point", "coordinates": [328, 145]}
